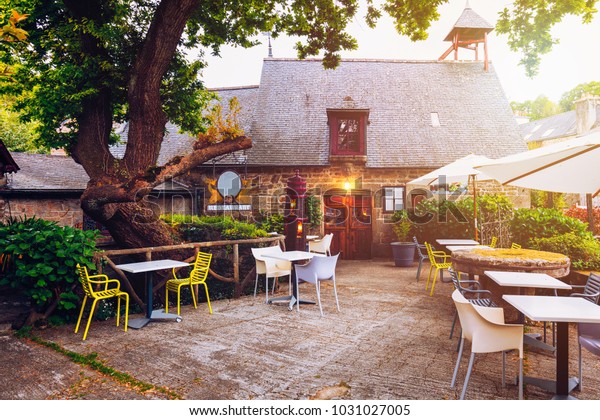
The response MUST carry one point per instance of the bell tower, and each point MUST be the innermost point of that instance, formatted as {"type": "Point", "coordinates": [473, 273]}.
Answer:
{"type": "Point", "coordinates": [468, 32]}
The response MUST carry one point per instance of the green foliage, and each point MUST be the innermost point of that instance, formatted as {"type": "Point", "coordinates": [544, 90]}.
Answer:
{"type": "Point", "coordinates": [537, 109]}
{"type": "Point", "coordinates": [44, 256]}
{"type": "Point", "coordinates": [548, 199]}
{"type": "Point", "coordinates": [538, 223]}
{"type": "Point", "coordinates": [568, 99]}
{"type": "Point", "coordinates": [403, 227]}
{"type": "Point", "coordinates": [212, 228]}
{"type": "Point", "coordinates": [584, 251]}
{"type": "Point", "coordinates": [437, 218]}
{"type": "Point", "coordinates": [16, 136]}
{"type": "Point", "coordinates": [528, 24]}
{"type": "Point", "coordinates": [273, 223]}
{"type": "Point", "coordinates": [313, 210]}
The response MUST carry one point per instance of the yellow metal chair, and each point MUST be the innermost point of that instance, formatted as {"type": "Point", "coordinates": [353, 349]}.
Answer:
{"type": "Point", "coordinates": [105, 291]}
{"type": "Point", "coordinates": [439, 261]}
{"type": "Point", "coordinates": [493, 242]}
{"type": "Point", "coordinates": [197, 276]}
{"type": "Point", "coordinates": [515, 246]}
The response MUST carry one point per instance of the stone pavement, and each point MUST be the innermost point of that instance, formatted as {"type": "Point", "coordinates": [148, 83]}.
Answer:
{"type": "Point", "coordinates": [390, 341]}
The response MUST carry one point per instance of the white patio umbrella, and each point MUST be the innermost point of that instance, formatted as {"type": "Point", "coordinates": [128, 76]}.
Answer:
{"type": "Point", "coordinates": [571, 166]}
{"type": "Point", "coordinates": [462, 171]}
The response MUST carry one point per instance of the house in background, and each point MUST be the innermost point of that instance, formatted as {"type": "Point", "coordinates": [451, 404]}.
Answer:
{"type": "Point", "coordinates": [556, 128]}
{"type": "Point", "coordinates": [356, 135]}
{"type": "Point", "coordinates": [567, 125]}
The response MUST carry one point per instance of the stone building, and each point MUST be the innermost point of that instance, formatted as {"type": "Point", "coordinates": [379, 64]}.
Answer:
{"type": "Point", "coordinates": [356, 134]}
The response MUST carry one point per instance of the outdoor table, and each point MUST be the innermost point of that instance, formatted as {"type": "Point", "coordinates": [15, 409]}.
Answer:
{"type": "Point", "coordinates": [453, 248]}
{"type": "Point", "coordinates": [148, 267]}
{"type": "Point", "coordinates": [522, 280]}
{"type": "Point", "coordinates": [312, 237]}
{"type": "Point", "coordinates": [446, 242]}
{"type": "Point", "coordinates": [291, 256]}
{"type": "Point", "coordinates": [562, 310]}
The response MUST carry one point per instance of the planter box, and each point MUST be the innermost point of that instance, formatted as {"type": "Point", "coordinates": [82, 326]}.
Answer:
{"type": "Point", "coordinates": [404, 253]}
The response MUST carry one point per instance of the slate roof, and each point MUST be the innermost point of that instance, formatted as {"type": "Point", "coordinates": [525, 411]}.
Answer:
{"type": "Point", "coordinates": [553, 127]}
{"type": "Point", "coordinates": [47, 173]}
{"type": "Point", "coordinates": [470, 26]}
{"type": "Point", "coordinates": [174, 144]}
{"type": "Point", "coordinates": [289, 122]}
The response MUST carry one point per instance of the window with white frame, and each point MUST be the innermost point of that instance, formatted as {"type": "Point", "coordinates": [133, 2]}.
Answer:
{"type": "Point", "coordinates": [393, 199]}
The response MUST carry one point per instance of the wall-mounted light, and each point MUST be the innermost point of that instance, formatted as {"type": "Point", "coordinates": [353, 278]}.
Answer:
{"type": "Point", "coordinates": [299, 232]}
{"type": "Point", "coordinates": [347, 186]}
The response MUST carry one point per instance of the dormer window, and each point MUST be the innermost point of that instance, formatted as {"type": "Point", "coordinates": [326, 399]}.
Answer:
{"type": "Point", "coordinates": [347, 131]}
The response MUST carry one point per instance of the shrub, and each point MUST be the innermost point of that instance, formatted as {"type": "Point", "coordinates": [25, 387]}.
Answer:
{"type": "Point", "coordinates": [273, 223]}
{"type": "Point", "coordinates": [212, 228]}
{"type": "Point", "coordinates": [584, 252]}
{"type": "Point", "coordinates": [544, 223]}
{"type": "Point", "coordinates": [403, 227]}
{"type": "Point", "coordinates": [44, 256]}
{"type": "Point", "coordinates": [580, 213]}
{"type": "Point", "coordinates": [435, 218]}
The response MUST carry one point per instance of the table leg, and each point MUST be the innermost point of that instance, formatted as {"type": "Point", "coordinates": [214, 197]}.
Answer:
{"type": "Point", "coordinates": [157, 315]}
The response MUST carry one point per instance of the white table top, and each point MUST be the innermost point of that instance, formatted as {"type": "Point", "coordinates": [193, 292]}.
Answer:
{"type": "Point", "coordinates": [518, 279]}
{"type": "Point", "coordinates": [453, 248]}
{"type": "Point", "coordinates": [312, 237]}
{"type": "Point", "coordinates": [292, 255]}
{"type": "Point", "coordinates": [555, 308]}
{"type": "Point", "coordinates": [142, 267]}
{"type": "Point", "coordinates": [457, 242]}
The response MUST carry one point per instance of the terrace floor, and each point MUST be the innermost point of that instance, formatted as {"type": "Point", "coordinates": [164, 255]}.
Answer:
{"type": "Point", "coordinates": [390, 341]}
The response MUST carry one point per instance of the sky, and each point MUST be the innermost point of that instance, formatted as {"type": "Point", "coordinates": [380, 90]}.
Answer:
{"type": "Point", "coordinates": [570, 63]}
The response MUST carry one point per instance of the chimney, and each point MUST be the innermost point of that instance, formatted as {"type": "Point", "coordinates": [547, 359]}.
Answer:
{"type": "Point", "coordinates": [586, 112]}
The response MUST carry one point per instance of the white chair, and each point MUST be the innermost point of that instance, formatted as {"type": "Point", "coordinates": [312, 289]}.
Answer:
{"type": "Point", "coordinates": [321, 246]}
{"type": "Point", "coordinates": [318, 269]}
{"type": "Point", "coordinates": [487, 332]}
{"type": "Point", "coordinates": [271, 268]}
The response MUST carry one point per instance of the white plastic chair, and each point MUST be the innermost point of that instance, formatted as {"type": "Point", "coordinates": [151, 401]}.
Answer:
{"type": "Point", "coordinates": [487, 332]}
{"type": "Point", "coordinates": [321, 246]}
{"type": "Point", "coordinates": [271, 268]}
{"type": "Point", "coordinates": [318, 269]}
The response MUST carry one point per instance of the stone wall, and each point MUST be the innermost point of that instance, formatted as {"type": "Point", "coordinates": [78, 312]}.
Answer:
{"type": "Point", "coordinates": [64, 211]}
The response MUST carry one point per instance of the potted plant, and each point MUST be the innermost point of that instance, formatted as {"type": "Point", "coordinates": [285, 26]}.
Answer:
{"type": "Point", "coordinates": [403, 250]}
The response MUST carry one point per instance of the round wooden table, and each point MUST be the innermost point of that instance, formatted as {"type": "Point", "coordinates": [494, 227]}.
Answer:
{"type": "Point", "coordinates": [477, 261]}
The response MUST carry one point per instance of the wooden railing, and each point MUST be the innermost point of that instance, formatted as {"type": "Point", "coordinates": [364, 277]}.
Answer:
{"type": "Point", "coordinates": [108, 256]}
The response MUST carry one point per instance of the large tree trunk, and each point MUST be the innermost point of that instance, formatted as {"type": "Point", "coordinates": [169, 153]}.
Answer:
{"type": "Point", "coordinates": [117, 187]}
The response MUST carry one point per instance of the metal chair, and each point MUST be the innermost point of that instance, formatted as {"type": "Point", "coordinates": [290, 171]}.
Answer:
{"type": "Point", "coordinates": [197, 276]}
{"type": "Point", "coordinates": [439, 262]}
{"type": "Point", "coordinates": [515, 245]}
{"type": "Point", "coordinates": [317, 270]}
{"type": "Point", "coordinates": [109, 288]}
{"type": "Point", "coordinates": [270, 268]}
{"type": "Point", "coordinates": [474, 288]}
{"type": "Point", "coordinates": [422, 257]}
{"type": "Point", "coordinates": [487, 332]}
{"type": "Point", "coordinates": [321, 246]}
{"type": "Point", "coordinates": [591, 289]}
{"type": "Point", "coordinates": [589, 338]}
{"type": "Point", "coordinates": [493, 242]}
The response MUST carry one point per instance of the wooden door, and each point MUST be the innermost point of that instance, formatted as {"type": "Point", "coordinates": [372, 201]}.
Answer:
{"type": "Point", "coordinates": [349, 218]}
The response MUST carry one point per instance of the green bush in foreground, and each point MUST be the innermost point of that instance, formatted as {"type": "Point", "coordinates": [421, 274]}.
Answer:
{"type": "Point", "coordinates": [43, 259]}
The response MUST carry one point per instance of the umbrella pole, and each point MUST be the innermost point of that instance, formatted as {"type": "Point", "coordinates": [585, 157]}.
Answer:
{"type": "Point", "coordinates": [475, 206]}
{"type": "Point", "coordinates": [590, 212]}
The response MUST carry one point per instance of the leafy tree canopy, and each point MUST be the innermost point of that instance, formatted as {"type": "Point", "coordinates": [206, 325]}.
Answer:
{"type": "Point", "coordinates": [539, 108]}
{"type": "Point", "coordinates": [528, 22]}
{"type": "Point", "coordinates": [568, 99]}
